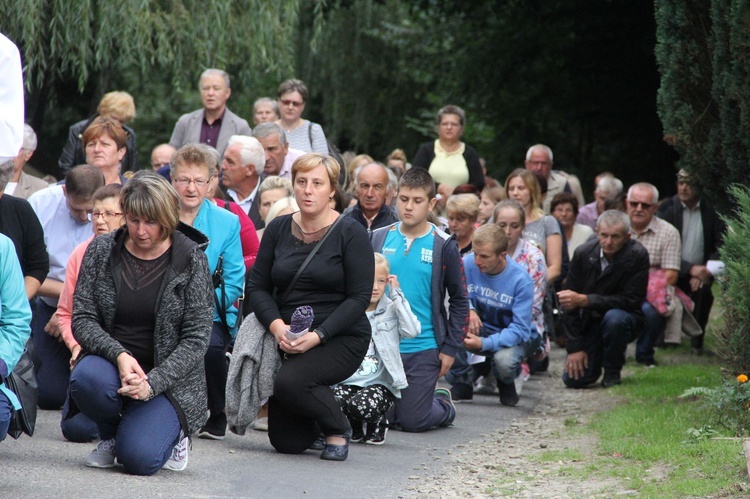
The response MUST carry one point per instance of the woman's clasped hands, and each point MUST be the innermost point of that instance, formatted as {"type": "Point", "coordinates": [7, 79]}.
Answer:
{"type": "Point", "coordinates": [300, 345]}
{"type": "Point", "coordinates": [134, 381]}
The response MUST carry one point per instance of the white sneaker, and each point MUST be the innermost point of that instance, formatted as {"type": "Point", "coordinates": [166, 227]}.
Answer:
{"type": "Point", "coordinates": [178, 461]}
{"type": "Point", "coordinates": [260, 424]}
{"type": "Point", "coordinates": [103, 456]}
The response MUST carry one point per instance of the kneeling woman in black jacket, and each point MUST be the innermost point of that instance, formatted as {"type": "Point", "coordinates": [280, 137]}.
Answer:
{"type": "Point", "coordinates": [142, 314]}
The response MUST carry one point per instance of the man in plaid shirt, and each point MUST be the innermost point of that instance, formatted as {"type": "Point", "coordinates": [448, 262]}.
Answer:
{"type": "Point", "coordinates": [662, 241]}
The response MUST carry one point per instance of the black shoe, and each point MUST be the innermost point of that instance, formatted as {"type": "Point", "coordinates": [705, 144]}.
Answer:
{"type": "Point", "coordinates": [375, 434]}
{"type": "Point", "coordinates": [357, 433]}
{"type": "Point", "coordinates": [538, 366]}
{"type": "Point", "coordinates": [647, 362]}
{"type": "Point", "coordinates": [611, 378]}
{"type": "Point", "coordinates": [333, 452]}
{"type": "Point", "coordinates": [462, 392]}
{"type": "Point", "coordinates": [215, 428]}
{"type": "Point", "coordinates": [319, 444]}
{"type": "Point", "coordinates": [508, 394]}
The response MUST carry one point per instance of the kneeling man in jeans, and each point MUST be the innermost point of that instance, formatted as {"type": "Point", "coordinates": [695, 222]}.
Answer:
{"type": "Point", "coordinates": [604, 290]}
{"type": "Point", "coordinates": [500, 294]}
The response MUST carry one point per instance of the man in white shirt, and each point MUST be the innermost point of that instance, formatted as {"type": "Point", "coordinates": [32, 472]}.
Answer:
{"type": "Point", "coordinates": [279, 156]}
{"type": "Point", "coordinates": [241, 168]}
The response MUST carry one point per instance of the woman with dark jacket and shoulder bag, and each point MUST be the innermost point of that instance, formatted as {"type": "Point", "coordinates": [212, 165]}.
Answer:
{"type": "Point", "coordinates": [142, 313]}
{"type": "Point", "coordinates": [337, 285]}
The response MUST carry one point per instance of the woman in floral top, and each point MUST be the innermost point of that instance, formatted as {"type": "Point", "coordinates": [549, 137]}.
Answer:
{"type": "Point", "coordinates": [510, 216]}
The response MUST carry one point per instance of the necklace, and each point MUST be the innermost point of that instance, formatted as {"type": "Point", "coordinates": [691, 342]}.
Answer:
{"type": "Point", "coordinates": [299, 226]}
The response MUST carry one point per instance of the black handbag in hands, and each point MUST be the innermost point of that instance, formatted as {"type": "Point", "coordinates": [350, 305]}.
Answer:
{"type": "Point", "coordinates": [22, 382]}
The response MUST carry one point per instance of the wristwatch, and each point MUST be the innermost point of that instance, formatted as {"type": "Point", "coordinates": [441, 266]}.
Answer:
{"type": "Point", "coordinates": [321, 336]}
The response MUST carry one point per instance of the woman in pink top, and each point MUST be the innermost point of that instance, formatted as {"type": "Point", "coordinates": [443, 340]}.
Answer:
{"type": "Point", "coordinates": [105, 217]}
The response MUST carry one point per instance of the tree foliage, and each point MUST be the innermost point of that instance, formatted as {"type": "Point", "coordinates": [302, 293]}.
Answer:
{"type": "Point", "coordinates": [734, 347]}
{"type": "Point", "coordinates": [76, 50]}
{"type": "Point", "coordinates": [578, 76]}
{"type": "Point", "coordinates": [704, 103]}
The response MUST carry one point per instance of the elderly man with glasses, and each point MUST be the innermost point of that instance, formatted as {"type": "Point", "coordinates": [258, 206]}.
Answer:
{"type": "Point", "coordinates": [662, 241]}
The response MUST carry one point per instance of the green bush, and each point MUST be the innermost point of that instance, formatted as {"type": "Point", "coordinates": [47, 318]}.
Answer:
{"type": "Point", "coordinates": [734, 347]}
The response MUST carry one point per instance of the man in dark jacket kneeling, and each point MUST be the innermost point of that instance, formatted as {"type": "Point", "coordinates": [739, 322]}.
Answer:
{"type": "Point", "coordinates": [604, 290]}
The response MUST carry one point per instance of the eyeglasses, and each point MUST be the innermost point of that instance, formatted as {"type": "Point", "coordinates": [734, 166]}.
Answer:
{"type": "Point", "coordinates": [289, 102]}
{"type": "Point", "coordinates": [644, 206]}
{"type": "Point", "coordinates": [94, 215]}
{"type": "Point", "coordinates": [199, 182]}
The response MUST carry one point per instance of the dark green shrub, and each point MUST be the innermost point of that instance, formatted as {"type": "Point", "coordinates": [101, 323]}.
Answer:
{"type": "Point", "coordinates": [734, 346]}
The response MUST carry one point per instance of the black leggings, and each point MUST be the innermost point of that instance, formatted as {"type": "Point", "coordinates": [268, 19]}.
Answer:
{"type": "Point", "coordinates": [217, 369]}
{"type": "Point", "coordinates": [303, 404]}
{"type": "Point", "coordinates": [366, 404]}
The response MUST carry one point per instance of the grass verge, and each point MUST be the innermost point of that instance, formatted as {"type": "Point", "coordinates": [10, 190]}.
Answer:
{"type": "Point", "coordinates": [644, 439]}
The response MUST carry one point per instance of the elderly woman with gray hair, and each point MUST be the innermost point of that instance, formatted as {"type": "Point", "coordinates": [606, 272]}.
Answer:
{"type": "Point", "coordinates": [191, 169]}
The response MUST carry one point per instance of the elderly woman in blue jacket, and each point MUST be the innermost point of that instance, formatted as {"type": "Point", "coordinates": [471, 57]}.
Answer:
{"type": "Point", "coordinates": [192, 167]}
{"type": "Point", "coordinates": [15, 316]}
{"type": "Point", "coordinates": [368, 394]}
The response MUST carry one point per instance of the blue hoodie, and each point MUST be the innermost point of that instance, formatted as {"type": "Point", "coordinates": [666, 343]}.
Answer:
{"type": "Point", "coordinates": [503, 302]}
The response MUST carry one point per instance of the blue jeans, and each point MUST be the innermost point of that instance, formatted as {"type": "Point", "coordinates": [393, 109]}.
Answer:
{"type": "Point", "coordinates": [417, 410]}
{"type": "Point", "coordinates": [52, 362]}
{"type": "Point", "coordinates": [505, 365]}
{"type": "Point", "coordinates": [6, 411]}
{"type": "Point", "coordinates": [605, 345]}
{"type": "Point", "coordinates": [145, 432]}
{"type": "Point", "coordinates": [79, 427]}
{"type": "Point", "coordinates": [653, 325]}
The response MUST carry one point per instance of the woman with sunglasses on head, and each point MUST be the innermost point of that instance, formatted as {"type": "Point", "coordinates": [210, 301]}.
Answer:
{"type": "Point", "coordinates": [300, 133]}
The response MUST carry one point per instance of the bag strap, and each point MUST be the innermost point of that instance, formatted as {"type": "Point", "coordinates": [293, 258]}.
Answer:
{"type": "Point", "coordinates": [221, 305]}
{"type": "Point", "coordinates": [307, 260]}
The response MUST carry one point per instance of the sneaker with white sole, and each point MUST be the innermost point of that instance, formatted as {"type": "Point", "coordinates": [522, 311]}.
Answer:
{"type": "Point", "coordinates": [260, 424]}
{"type": "Point", "coordinates": [103, 456]}
{"type": "Point", "coordinates": [178, 461]}
{"type": "Point", "coordinates": [375, 434]}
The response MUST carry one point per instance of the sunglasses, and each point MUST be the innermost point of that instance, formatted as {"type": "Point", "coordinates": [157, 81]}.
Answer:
{"type": "Point", "coordinates": [644, 206]}
{"type": "Point", "coordinates": [289, 102]}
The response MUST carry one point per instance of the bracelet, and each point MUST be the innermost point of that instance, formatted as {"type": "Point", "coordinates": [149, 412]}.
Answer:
{"type": "Point", "coordinates": [321, 336]}
{"type": "Point", "coordinates": [150, 392]}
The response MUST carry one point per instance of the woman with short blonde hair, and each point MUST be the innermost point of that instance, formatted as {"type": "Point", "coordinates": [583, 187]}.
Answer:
{"type": "Point", "coordinates": [141, 312]}
{"type": "Point", "coordinates": [336, 285]}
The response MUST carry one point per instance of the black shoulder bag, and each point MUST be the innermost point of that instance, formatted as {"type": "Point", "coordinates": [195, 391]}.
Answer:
{"type": "Point", "coordinates": [22, 382]}
{"type": "Point", "coordinates": [307, 260]}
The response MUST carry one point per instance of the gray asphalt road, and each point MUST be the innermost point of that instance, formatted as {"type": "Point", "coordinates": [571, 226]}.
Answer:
{"type": "Point", "coordinates": [247, 466]}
